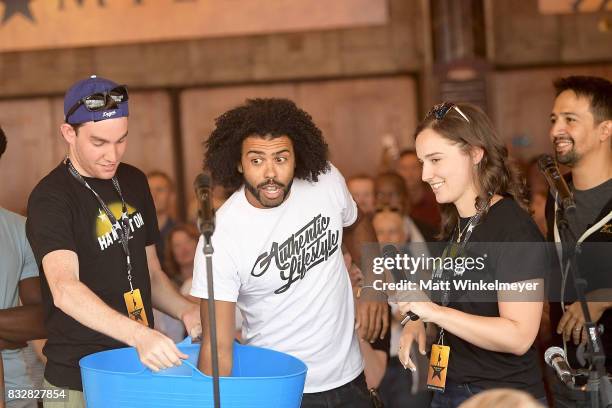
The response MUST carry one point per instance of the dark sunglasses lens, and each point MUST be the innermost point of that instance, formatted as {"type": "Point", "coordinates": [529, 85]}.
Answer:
{"type": "Point", "coordinates": [119, 94]}
{"type": "Point", "coordinates": [441, 110]}
{"type": "Point", "coordinates": [95, 102]}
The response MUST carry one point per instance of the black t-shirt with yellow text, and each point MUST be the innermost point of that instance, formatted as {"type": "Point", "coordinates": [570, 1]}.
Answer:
{"type": "Point", "coordinates": [64, 215]}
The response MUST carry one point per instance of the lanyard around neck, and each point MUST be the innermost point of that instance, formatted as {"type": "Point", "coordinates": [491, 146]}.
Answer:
{"type": "Point", "coordinates": [454, 249]}
{"type": "Point", "coordinates": [122, 227]}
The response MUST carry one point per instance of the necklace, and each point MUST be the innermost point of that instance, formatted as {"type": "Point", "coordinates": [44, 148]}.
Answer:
{"type": "Point", "coordinates": [469, 226]}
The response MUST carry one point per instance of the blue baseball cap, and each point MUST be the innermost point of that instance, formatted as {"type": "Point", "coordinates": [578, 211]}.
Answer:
{"type": "Point", "coordinates": [87, 87]}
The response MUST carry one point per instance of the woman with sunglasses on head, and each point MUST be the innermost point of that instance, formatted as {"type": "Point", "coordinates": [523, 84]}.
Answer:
{"type": "Point", "coordinates": [489, 341]}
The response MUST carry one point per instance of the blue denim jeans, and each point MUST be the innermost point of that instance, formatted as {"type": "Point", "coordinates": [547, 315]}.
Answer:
{"type": "Point", "coordinates": [455, 394]}
{"type": "Point", "coordinates": [354, 394]}
{"type": "Point", "coordinates": [395, 388]}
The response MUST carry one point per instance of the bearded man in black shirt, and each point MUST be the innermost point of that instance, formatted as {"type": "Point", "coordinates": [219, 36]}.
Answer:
{"type": "Point", "coordinates": [581, 133]}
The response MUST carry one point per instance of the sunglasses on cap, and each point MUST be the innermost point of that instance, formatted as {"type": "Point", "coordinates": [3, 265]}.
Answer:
{"type": "Point", "coordinates": [101, 100]}
{"type": "Point", "coordinates": [440, 110]}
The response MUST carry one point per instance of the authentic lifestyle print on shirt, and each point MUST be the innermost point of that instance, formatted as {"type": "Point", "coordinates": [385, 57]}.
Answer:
{"type": "Point", "coordinates": [303, 250]}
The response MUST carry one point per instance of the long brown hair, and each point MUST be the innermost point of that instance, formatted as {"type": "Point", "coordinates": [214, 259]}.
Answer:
{"type": "Point", "coordinates": [172, 267]}
{"type": "Point", "coordinates": [494, 174]}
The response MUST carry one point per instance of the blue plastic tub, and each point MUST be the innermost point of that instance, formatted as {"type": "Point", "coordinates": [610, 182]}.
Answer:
{"type": "Point", "coordinates": [261, 378]}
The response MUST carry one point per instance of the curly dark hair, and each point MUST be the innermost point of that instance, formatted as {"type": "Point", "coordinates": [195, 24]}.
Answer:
{"type": "Point", "coordinates": [268, 117]}
{"type": "Point", "coordinates": [496, 173]}
{"type": "Point", "coordinates": [2, 142]}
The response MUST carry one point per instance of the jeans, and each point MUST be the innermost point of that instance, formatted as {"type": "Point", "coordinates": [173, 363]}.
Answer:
{"type": "Point", "coordinates": [354, 394]}
{"type": "Point", "coordinates": [395, 388]}
{"type": "Point", "coordinates": [455, 394]}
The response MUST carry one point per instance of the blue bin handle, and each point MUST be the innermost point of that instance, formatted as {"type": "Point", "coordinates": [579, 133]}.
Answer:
{"type": "Point", "coordinates": [195, 370]}
{"type": "Point", "coordinates": [185, 342]}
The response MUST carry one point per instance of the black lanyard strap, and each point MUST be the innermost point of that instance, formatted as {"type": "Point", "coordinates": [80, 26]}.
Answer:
{"type": "Point", "coordinates": [453, 249]}
{"type": "Point", "coordinates": [123, 227]}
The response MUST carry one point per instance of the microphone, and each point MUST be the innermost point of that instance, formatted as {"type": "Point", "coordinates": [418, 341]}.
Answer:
{"type": "Point", "coordinates": [389, 251]}
{"type": "Point", "coordinates": [555, 358]}
{"type": "Point", "coordinates": [556, 182]}
{"type": "Point", "coordinates": [206, 218]}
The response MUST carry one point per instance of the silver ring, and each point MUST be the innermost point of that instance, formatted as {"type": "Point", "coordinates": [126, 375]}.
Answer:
{"type": "Point", "coordinates": [578, 329]}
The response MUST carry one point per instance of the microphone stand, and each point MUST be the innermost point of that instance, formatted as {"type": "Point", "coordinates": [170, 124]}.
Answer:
{"type": "Point", "coordinates": [208, 250]}
{"type": "Point", "coordinates": [598, 385]}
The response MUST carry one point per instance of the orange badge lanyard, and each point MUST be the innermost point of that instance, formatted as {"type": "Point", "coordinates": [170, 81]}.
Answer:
{"type": "Point", "coordinates": [440, 354]}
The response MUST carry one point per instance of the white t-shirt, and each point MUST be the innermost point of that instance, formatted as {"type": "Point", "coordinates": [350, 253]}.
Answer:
{"type": "Point", "coordinates": [283, 266]}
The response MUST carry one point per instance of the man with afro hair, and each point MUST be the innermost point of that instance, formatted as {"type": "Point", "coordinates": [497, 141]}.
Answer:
{"type": "Point", "coordinates": [278, 251]}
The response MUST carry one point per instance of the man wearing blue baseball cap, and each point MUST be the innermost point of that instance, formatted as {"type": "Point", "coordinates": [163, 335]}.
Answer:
{"type": "Point", "coordinates": [92, 227]}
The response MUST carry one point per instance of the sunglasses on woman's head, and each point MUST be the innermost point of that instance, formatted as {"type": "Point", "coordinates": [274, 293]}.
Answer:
{"type": "Point", "coordinates": [440, 110]}
{"type": "Point", "coordinates": [101, 100]}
